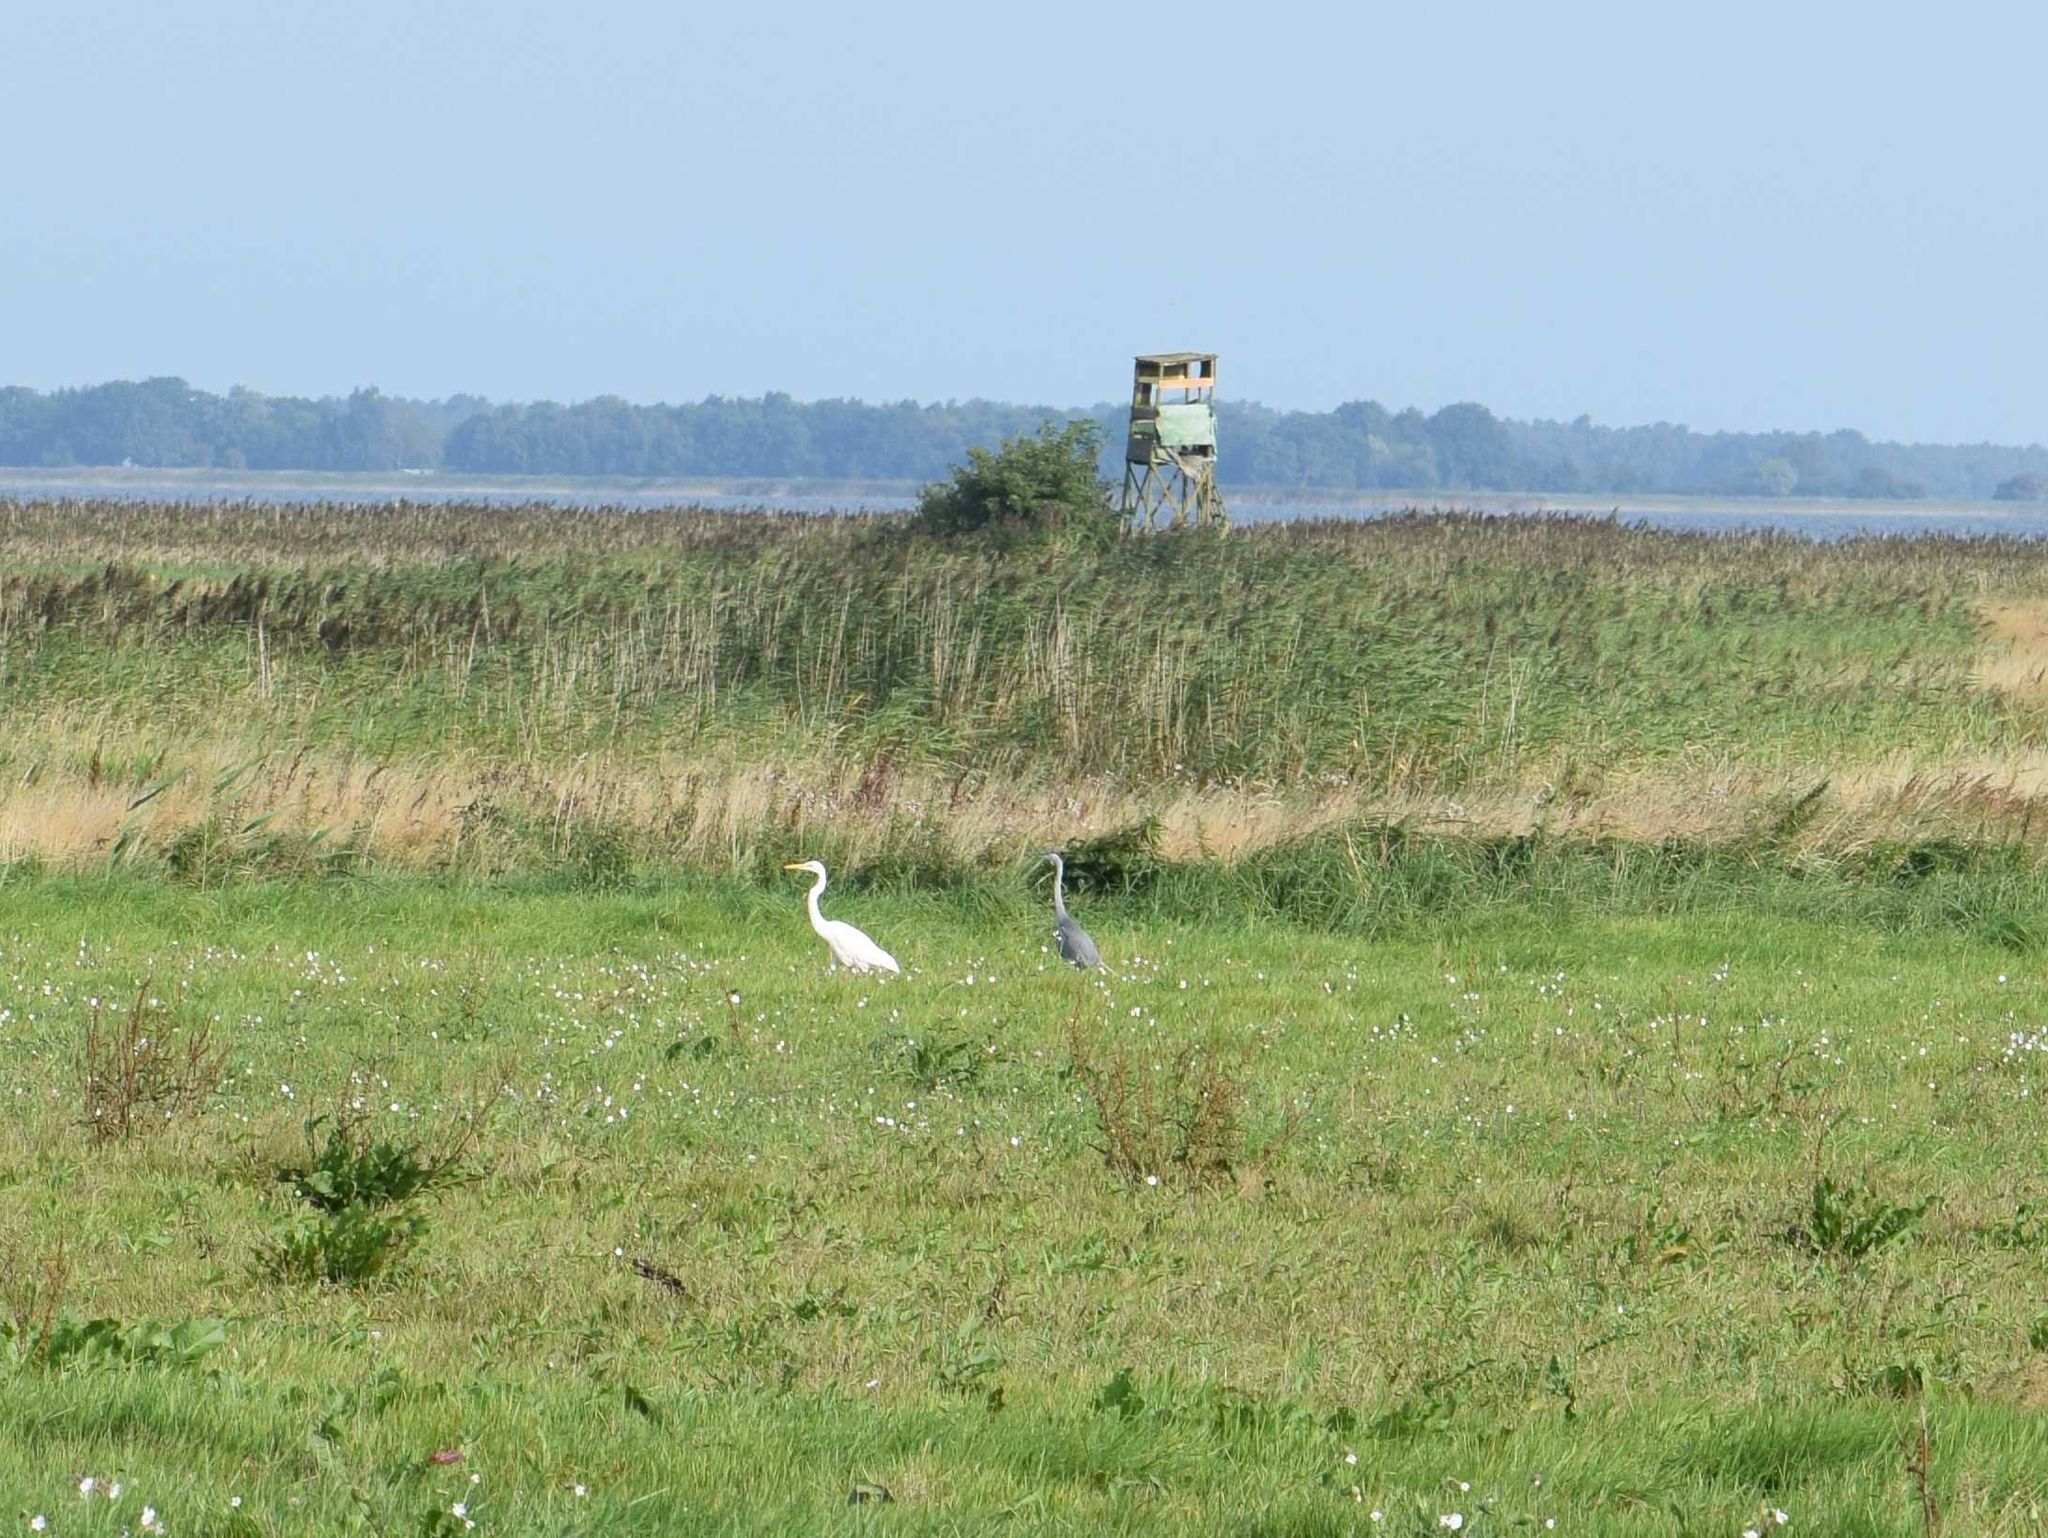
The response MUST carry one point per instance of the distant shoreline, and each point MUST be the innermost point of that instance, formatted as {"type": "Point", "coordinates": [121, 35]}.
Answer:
{"type": "Point", "coordinates": [440, 483]}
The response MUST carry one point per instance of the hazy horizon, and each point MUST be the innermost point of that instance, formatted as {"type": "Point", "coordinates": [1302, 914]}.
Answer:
{"type": "Point", "coordinates": [1114, 401]}
{"type": "Point", "coordinates": [1743, 220]}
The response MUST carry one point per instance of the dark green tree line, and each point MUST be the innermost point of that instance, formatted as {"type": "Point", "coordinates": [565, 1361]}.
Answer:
{"type": "Point", "coordinates": [1359, 446]}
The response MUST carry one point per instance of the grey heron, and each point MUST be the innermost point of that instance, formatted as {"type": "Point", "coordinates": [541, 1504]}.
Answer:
{"type": "Point", "coordinates": [1072, 940]}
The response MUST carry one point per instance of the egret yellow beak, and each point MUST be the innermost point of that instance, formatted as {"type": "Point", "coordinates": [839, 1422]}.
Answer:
{"type": "Point", "coordinates": [792, 867]}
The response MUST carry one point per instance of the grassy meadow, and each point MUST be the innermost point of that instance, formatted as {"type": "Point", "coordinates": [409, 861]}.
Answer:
{"type": "Point", "coordinates": [1523, 1205]}
{"type": "Point", "coordinates": [1569, 1053]}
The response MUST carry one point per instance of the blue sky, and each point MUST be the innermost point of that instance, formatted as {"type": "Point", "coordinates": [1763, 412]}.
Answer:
{"type": "Point", "coordinates": [1739, 216]}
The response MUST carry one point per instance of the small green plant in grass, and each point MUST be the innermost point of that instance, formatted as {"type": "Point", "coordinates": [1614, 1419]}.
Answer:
{"type": "Point", "coordinates": [450, 1521]}
{"type": "Point", "coordinates": [967, 1359]}
{"type": "Point", "coordinates": [1182, 1120]}
{"type": "Point", "coordinates": [1852, 1223]}
{"type": "Point", "coordinates": [1427, 1410]}
{"type": "Point", "coordinates": [932, 1062]}
{"type": "Point", "coordinates": [352, 1169]}
{"type": "Point", "coordinates": [2026, 1229]}
{"type": "Point", "coordinates": [40, 1330]}
{"type": "Point", "coordinates": [362, 1193]}
{"type": "Point", "coordinates": [143, 1071]}
{"type": "Point", "coordinates": [1121, 1396]}
{"type": "Point", "coordinates": [1557, 1380]}
{"type": "Point", "coordinates": [68, 1341]}
{"type": "Point", "coordinates": [349, 1247]}
{"type": "Point", "coordinates": [33, 1290]}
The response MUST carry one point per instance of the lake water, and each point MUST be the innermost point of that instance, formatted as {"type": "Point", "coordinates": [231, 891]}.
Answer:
{"type": "Point", "coordinates": [1811, 520]}
{"type": "Point", "coordinates": [1706, 516]}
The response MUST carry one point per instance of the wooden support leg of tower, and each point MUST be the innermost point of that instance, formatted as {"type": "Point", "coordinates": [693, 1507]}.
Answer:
{"type": "Point", "coordinates": [1136, 507]}
{"type": "Point", "coordinates": [1144, 499]}
{"type": "Point", "coordinates": [1156, 499]}
{"type": "Point", "coordinates": [1209, 512]}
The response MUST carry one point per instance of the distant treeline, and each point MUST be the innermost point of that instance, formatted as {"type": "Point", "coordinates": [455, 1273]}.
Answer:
{"type": "Point", "coordinates": [1358, 446]}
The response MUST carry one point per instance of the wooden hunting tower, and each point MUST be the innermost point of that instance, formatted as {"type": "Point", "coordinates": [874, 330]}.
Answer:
{"type": "Point", "coordinates": [1170, 459]}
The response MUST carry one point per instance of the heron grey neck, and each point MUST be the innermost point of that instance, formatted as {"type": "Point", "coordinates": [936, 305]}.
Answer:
{"type": "Point", "coordinates": [1059, 881]}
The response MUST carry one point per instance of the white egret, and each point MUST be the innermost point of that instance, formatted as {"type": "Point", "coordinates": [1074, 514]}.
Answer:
{"type": "Point", "coordinates": [850, 948]}
{"type": "Point", "coordinates": [1072, 940]}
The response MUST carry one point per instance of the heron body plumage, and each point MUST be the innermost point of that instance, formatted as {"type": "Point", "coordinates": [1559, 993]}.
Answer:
{"type": "Point", "coordinates": [1075, 946]}
{"type": "Point", "coordinates": [850, 948]}
{"type": "Point", "coordinates": [1072, 941]}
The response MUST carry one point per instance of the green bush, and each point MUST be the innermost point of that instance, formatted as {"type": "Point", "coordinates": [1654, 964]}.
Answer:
{"type": "Point", "coordinates": [1047, 482]}
{"type": "Point", "coordinates": [349, 1246]}
{"type": "Point", "coordinates": [363, 1194]}
{"type": "Point", "coordinates": [67, 1341]}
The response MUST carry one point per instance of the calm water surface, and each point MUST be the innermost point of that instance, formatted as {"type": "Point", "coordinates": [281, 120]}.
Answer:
{"type": "Point", "coordinates": [1831, 522]}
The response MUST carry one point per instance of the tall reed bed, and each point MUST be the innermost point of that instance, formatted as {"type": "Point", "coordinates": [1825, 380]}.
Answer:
{"type": "Point", "coordinates": [1442, 658]}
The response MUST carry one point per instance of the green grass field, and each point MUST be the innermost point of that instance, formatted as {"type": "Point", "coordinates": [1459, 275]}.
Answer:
{"type": "Point", "coordinates": [1519, 1221]}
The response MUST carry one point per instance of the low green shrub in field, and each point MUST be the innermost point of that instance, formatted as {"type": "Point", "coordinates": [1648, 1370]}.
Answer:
{"type": "Point", "coordinates": [931, 1062]}
{"type": "Point", "coordinates": [350, 1246]}
{"type": "Point", "coordinates": [68, 1341]}
{"type": "Point", "coordinates": [362, 1194]}
{"type": "Point", "coordinates": [1183, 1119]}
{"type": "Point", "coordinates": [142, 1071]}
{"type": "Point", "coordinates": [1853, 1222]}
